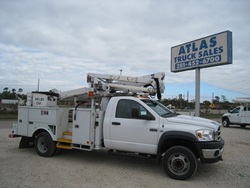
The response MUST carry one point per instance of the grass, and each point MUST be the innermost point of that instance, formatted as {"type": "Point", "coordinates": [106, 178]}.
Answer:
{"type": "Point", "coordinates": [8, 116]}
{"type": "Point", "coordinates": [211, 116]}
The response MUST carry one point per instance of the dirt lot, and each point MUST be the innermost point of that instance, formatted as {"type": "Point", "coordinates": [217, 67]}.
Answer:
{"type": "Point", "coordinates": [24, 168]}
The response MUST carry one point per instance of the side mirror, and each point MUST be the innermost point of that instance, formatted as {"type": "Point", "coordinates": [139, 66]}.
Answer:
{"type": "Point", "coordinates": [147, 117]}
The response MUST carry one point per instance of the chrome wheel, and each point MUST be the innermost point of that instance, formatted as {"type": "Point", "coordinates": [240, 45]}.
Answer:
{"type": "Point", "coordinates": [42, 145]}
{"type": "Point", "coordinates": [178, 164]}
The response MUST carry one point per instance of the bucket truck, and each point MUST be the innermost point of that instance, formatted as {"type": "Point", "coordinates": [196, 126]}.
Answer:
{"type": "Point", "coordinates": [119, 114]}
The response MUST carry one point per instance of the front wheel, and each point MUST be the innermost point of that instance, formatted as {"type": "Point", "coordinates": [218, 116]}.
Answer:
{"type": "Point", "coordinates": [179, 163]}
{"type": "Point", "coordinates": [44, 145]}
{"type": "Point", "coordinates": [225, 122]}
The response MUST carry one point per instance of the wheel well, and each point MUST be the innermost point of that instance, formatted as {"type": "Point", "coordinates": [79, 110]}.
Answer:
{"type": "Point", "coordinates": [225, 117]}
{"type": "Point", "coordinates": [38, 132]}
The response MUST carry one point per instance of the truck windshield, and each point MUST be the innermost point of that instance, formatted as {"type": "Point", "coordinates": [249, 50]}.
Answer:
{"type": "Point", "coordinates": [159, 108]}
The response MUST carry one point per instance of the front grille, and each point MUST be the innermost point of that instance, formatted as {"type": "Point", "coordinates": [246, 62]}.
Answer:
{"type": "Point", "coordinates": [217, 135]}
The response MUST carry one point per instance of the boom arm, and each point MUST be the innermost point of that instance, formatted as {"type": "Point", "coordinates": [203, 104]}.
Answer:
{"type": "Point", "coordinates": [106, 84]}
{"type": "Point", "coordinates": [103, 85]}
{"type": "Point", "coordinates": [75, 92]}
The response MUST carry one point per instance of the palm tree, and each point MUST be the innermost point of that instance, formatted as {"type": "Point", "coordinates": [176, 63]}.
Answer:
{"type": "Point", "coordinates": [20, 90]}
{"type": "Point", "coordinates": [5, 89]}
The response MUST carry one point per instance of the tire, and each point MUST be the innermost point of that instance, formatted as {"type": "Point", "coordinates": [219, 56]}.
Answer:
{"type": "Point", "coordinates": [225, 122]}
{"type": "Point", "coordinates": [44, 145]}
{"type": "Point", "coordinates": [179, 163]}
{"type": "Point", "coordinates": [243, 126]}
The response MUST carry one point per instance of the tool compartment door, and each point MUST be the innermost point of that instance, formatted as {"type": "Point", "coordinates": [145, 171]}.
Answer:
{"type": "Point", "coordinates": [23, 118]}
{"type": "Point", "coordinates": [83, 127]}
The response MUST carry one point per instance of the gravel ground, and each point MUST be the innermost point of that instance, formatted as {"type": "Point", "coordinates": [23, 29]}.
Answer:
{"type": "Point", "coordinates": [24, 168]}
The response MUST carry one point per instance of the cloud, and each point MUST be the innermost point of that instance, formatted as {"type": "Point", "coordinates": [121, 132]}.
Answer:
{"type": "Point", "coordinates": [59, 42]}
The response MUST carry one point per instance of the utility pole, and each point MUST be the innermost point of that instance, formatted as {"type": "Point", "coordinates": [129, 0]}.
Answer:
{"type": "Point", "coordinates": [38, 84]}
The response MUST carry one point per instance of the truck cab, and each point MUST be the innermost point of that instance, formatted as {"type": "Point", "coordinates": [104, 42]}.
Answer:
{"type": "Point", "coordinates": [238, 116]}
{"type": "Point", "coordinates": [145, 126]}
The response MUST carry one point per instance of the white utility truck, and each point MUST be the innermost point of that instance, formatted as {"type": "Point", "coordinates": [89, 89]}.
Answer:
{"type": "Point", "coordinates": [239, 115]}
{"type": "Point", "coordinates": [118, 113]}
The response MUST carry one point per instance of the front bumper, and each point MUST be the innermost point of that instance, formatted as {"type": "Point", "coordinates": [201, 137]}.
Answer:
{"type": "Point", "coordinates": [211, 152]}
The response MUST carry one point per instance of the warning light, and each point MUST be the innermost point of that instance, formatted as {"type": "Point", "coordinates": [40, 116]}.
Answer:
{"type": "Point", "coordinates": [91, 93]}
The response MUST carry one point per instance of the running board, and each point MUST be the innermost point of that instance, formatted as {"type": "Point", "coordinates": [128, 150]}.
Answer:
{"type": "Point", "coordinates": [63, 146]}
{"type": "Point", "coordinates": [130, 154]}
{"type": "Point", "coordinates": [64, 143]}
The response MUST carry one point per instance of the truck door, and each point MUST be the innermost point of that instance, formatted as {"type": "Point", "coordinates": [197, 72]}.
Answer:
{"type": "Point", "coordinates": [235, 115]}
{"type": "Point", "coordinates": [133, 134]}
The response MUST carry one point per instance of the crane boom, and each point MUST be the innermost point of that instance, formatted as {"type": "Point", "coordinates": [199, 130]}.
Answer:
{"type": "Point", "coordinates": [102, 85]}
{"type": "Point", "coordinates": [106, 84]}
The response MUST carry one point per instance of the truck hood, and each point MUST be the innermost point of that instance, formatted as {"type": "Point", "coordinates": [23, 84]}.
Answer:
{"type": "Point", "coordinates": [191, 120]}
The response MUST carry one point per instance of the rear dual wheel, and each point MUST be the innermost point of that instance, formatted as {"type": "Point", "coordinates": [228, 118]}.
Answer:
{"type": "Point", "coordinates": [44, 145]}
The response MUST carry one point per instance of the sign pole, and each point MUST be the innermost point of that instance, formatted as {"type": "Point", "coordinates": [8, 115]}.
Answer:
{"type": "Point", "coordinates": [197, 92]}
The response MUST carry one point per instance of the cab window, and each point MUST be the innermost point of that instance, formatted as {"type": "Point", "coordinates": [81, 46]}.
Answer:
{"type": "Point", "coordinates": [236, 110]}
{"type": "Point", "coordinates": [124, 109]}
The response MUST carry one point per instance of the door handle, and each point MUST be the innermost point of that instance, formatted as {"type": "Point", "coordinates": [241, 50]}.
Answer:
{"type": "Point", "coordinates": [153, 130]}
{"type": "Point", "coordinates": [116, 123]}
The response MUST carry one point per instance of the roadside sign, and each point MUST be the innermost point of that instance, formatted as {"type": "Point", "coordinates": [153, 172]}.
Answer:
{"type": "Point", "coordinates": [213, 50]}
{"type": "Point", "coordinates": [211, 105]}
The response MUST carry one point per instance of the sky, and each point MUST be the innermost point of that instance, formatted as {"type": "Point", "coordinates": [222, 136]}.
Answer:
{"type": "Point", "coordinates": [58, 42]}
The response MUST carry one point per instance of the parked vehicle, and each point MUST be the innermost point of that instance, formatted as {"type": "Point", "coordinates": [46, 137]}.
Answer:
{"type": "Point", "coordinates": [238, 116]}
{"type": "Point", "coordinates": [118, 114]}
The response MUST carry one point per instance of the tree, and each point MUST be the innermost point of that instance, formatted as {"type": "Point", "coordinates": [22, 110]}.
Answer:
{"type": "Point", "coordinates": [223, 98]}
{"type": "Point", "coordinates": [5, 89]}
{"type": "Point", "coordinates": [216, 99]}
{"type": "Point", "coordinates": [6, 93]}
{"type": "Point", "coordinates": [206, 103]}
{"type": "Point", "coordinates": [11, 94]}
{"type": "Point", "coordinates": [20, 90]}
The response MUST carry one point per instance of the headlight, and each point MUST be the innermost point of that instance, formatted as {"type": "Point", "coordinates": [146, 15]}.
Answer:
{"type": "Point", "coordinates": [205, 135]}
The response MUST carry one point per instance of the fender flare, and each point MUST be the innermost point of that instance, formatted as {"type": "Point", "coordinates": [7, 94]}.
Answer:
{"type": "Point", "coordinates": [176, 135]}
{"type": "Point", "coordinates": [225, 117]}
{"type": "Point", "coordinates": [42, 129]}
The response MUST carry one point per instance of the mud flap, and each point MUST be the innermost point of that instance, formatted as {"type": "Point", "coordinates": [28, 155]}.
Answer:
{"type": "Point", "coordinates": [26, 142]}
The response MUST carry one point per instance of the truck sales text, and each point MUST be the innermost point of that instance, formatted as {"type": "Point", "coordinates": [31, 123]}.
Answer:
{"type": "Point", "coordinates": [193, 54]}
